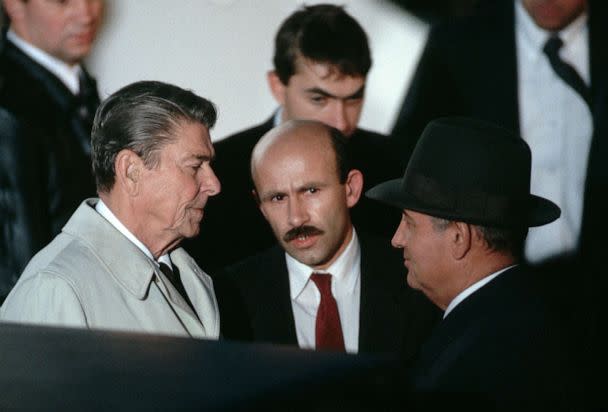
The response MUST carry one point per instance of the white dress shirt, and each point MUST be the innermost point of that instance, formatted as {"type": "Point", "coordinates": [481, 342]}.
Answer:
{"type": "Point", "coordinates": [66, 73]}
{"type": "Point", "coordinates": [345, 287]}
{"type": "Point", "coordinates": [557, 124]}
{"type": "Point", "coordinates": [474, 287]}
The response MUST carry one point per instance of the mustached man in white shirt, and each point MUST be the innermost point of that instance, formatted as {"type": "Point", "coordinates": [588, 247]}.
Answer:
{"type": "Point", "coordinates": [306, 186]}
{"type": "Point", "coordinates": [117, 263]}
{"type": "Point", "coordinates": [48, 101]}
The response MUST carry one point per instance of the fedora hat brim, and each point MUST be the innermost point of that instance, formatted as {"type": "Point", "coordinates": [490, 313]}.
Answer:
{"type": "Point", "coordinates": [539, 211]}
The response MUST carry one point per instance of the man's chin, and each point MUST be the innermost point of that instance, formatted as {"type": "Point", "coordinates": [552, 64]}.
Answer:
{"type": "Point", "coordinates": [193, 231]}
{"type": "Point", "coordinates": [308, 258]}
{"type": "Point", "coordinates": [411, 281]}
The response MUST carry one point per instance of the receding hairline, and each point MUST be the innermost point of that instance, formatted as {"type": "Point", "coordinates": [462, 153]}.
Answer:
{"type": "Point", "coordinates": [287, 133]}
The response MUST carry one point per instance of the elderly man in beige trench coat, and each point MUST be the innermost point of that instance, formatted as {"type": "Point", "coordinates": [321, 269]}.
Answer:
{"type": "Point", "coordinates": [117, 265]}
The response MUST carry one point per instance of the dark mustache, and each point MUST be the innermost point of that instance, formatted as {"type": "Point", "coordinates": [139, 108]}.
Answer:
{"type": "Point", "coordinates": [301, 231]}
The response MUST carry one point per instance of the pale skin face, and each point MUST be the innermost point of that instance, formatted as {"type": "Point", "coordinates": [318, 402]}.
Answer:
{"type": "Point", "coordinates": [318, 91]}
{"type": "Point", "coordinates": [168, 200]}
{"type": "Point", "coordinates": [302, 198]}
{"type": "Point", "coordinates": [427, 253]}
{"type": "Point", "coordinates": [65, 29]}
{"type": "Point", "coordinates": [554, 15]}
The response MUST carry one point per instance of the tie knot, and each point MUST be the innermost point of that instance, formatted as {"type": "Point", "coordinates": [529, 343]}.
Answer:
{"type": "Point", "coordinates": [167, 271]}
{"type": "Point", "coordinates": [553, 45]}
{"type": "Point", "coordinates": [323, 282]}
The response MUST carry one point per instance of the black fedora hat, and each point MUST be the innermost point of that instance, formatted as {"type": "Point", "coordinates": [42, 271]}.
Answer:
{"type": "Point", "coordinates": [470, 171]}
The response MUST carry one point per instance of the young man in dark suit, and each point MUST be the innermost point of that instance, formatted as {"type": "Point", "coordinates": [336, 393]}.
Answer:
{"type": "Point", "coordinates": [306, 186]}
{"type": "Point", "coordinates": [49, 101]}
{"type": "Point", "coordinates": [321, 61]}
{"type": "Point", "coordinates": [466, 203]}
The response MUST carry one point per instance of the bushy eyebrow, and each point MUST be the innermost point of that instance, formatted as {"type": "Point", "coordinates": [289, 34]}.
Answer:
{"type": "Point", "coordinates": [317, 90]}
{"type": "Point", "coordinates": [299, 189]}
{"type": "Point", "coordinates": [200, 158]}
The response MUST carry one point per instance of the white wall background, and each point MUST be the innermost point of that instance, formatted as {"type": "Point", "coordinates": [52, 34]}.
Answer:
{"type": "Point", "coordinates": [222, 49]}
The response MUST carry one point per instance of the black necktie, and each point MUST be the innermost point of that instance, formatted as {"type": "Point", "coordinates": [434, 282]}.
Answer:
{"type": "Point", "coordinates": [564, 70]}
{"type": "Point", "coordinates": [174, 278]}
{"type": "Point", "coordinates": [87, 101]}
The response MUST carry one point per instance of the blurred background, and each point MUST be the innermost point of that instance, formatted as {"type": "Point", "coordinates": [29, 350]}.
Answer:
{"type": "Point", "coordinates": [222, 49]}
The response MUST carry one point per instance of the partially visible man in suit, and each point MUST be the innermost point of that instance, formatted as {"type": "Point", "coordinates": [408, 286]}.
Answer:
{"type": "Point", "coordinates": [539, 67]}
{"type": "Point", "coordinates": [325, 285]}
{"type": "Point", "coordinates": [49, 101]}
{"type": "Point", "coordinates": [321, 61]}
{"type": "Point", "coordinates": [466, 203]}
{"type": "Point", "coordinates": [117, 265]}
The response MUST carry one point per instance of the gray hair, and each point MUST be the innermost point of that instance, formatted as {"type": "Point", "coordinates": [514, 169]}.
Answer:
{"type": "Point", "coordinates": [142, 117]}
{"type": "Point", "coordinates": [500, 239]}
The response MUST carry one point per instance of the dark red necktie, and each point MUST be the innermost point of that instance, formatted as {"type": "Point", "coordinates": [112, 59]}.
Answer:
{"type": "Point", "coordinates": [328, 331]}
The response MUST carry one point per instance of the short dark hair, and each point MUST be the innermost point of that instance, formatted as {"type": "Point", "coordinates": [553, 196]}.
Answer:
{"type": "Point", "coordinates": [323, 33]}
{"type": "Point", "coordinates": [342, 152]}
{"type": "Point", "coordinates": [142, 117]}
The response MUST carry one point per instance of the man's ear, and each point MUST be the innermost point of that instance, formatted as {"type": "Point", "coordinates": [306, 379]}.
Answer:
{"type": "Point", "coordinates": [353, 187]}
{"type": "Point", "coordinates": [277, 88]}
{"type": "Point", "coordinates": [14, 9]}
{"type": "Point", "coordinates": [128, 168]}
{"type": "Point", "coordinates": [461, 239]}
{"type": "Point", "coordinates": [255, 195]}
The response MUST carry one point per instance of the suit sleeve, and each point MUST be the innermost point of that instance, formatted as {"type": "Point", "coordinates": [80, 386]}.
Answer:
{"type": "Point", "coordinates": [45, 299]}
{"type": "Point", "coordinates": [23, 231]}
{"type": "Point", "coordinates": [234, 316]}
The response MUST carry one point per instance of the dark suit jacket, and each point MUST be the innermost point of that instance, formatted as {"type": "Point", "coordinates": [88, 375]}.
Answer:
{"type": "Point", "coordinates": [498, 346]}
{"type": "Point", "coordinates": [255, 304]}
{"type": "Point", "coordinates": [45, 171]}
{"type": "Point", "coordinates": [234, 228]}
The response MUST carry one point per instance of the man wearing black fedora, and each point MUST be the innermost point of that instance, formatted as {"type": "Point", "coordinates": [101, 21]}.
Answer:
{"type": "Point", "coordinates": [467, 207]}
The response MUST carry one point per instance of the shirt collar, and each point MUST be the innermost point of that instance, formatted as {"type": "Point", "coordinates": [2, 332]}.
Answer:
{"type": "Point", "coordinates": [537, 37]}
{"type": "Point", "coordinates": [105, 211]}
{"type": "Point", "coordinates": [278, 115]}
{"type": "Point", "coordinates": [66, 73]}
{"type": "Point", "coordinates": [471, 289]}
{"type": "Point", "coordinates": [343, 270]}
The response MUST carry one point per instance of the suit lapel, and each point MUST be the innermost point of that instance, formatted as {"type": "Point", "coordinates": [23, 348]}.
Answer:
{"type": "Point", "coordinates": [598, 55]}
{"type": "Point", "coordinates": [59, 93]}
{"type": "Point", "coordinates": [597, 173]}
{"type": "Point", "coordinates": [273, 319]}
{"type": "Point", "coordinates": [379, 301]}
{"type": "Point", "coordinates": [55, 87]}
{"type": "Point", "coordinates": [465, 316]}
{"type": "Point", "coordinates": [201, 324]}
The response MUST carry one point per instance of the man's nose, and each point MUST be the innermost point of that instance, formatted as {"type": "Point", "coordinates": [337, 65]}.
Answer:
{"type": "Point", "coordinates": [338, 117]}
{"type": "Point", "coordinates": [210, 184]}
{"type": "Point", "coordinates": [398, 240]}
{"type": "Point", "coordinates": [297, 213]}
